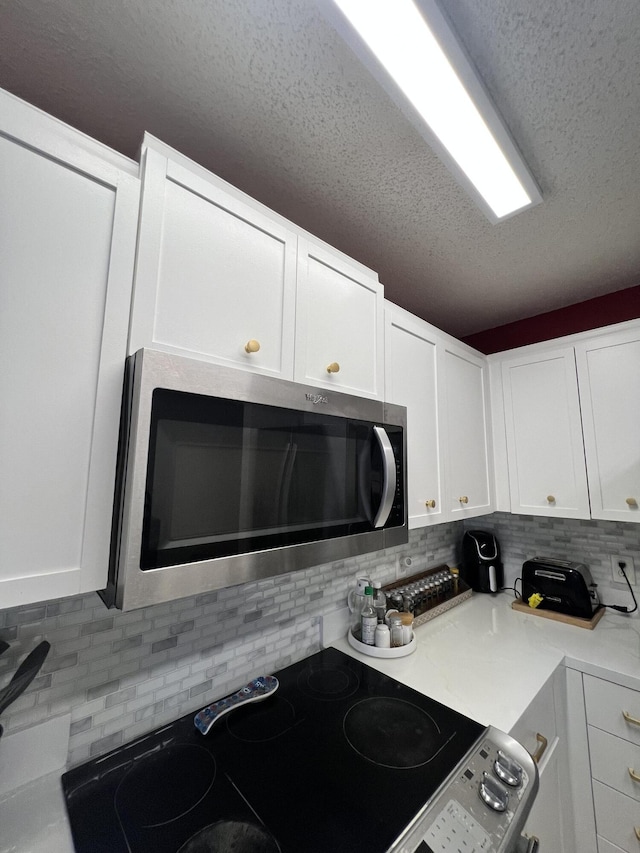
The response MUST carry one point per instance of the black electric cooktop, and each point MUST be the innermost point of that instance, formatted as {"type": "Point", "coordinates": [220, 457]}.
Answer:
{"type": "Point", "coordinates": [339, 758]}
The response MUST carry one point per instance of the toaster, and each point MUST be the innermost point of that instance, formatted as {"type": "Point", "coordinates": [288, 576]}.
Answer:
{"type": "Point", "coordinates": [565, 587]}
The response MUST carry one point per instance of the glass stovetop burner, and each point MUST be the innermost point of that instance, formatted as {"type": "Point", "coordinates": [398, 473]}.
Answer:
{"type": "Point", "coordinates": [392, 733]}
{"type": "Point", "coordinates": [164, 786]}
{"type": "Point", "coordinates": [337, 741]}
{"type": "Point", "coordinates": [231, 836]}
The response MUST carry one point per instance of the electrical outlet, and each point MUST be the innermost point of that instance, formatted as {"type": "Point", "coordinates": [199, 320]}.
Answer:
{"type": "Point", "coordinates": [403, 564]}
{"type": "Point", "coordinates": [629, 569]}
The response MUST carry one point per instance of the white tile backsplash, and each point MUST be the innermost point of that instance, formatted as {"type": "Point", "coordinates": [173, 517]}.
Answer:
{"type": "Point", "coordinates": [120, 675]}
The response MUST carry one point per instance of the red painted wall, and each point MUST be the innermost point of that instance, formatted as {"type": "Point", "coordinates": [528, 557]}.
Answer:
{"type": "Point", "coordinates": [592, 314]}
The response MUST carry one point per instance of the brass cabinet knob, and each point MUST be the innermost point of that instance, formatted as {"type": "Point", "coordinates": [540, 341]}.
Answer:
{"type": "Point", "coordinates": [636, 829]}
{"type": "Point", "coordinates": [334, 367]}
{"type": "Point", "coordinates": [632, 502]}
{"type": "Point", "coordinates": [252, 346]}
{"type": "Point", "coordinates": [635, 776]}
{"type": "Point", "coordinates": [464, 499]}
{"type": "Point", "coordinates": [551, 499]}
{"type": "Point", "coordinates": [430, 504]}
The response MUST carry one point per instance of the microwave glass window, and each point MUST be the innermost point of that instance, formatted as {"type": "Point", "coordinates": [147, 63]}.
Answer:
{"type": "Point", "coordinates": [225, 477]}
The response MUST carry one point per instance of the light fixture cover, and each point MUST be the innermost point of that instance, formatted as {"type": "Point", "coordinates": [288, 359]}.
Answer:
{"type": "Point", "coordinates": [412, 50]}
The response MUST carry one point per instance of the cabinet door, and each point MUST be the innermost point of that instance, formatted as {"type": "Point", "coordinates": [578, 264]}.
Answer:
{"type": "Point", "coordinates": [466, 432]}
{"type": "Point", "coordinates": [213, 272]}
{"type": "Point", "coordinates": [67, 240]}
{"type": "Point", "coordinates": [609, 376]}
{"type": "Point", "coordinates": [411, 380]}
{"type": "Point", "coordinates": [547, 473]}
{"type": "Point", "coordinates": [605, 846]}
{"type": "Point", "coordinates": [613, 708]}
{"type": "Point", "coordinates": [545, 818]}
{"type": "Point", "coordinates": [617, 817]}
{"type": "Point", "coordinates": [339, 323]}
{"type": "Point", "coordinates": [615, 762]}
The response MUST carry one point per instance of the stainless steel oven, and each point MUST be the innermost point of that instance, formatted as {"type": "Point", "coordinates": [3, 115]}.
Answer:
{"type": "Point", "coordinates": [226, 476]}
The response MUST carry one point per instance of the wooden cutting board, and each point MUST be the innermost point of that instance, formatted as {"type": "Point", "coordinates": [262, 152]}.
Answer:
{"type": "Point", "coordinates": [580, 622]}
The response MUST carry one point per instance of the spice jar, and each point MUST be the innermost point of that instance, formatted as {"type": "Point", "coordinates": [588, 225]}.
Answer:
{"type": "Point", "coordinates": [382, 636]}
{"type": "Point", "coordinates": [397, 636]}
{"type": "Point", "coordinates": [406, 620]}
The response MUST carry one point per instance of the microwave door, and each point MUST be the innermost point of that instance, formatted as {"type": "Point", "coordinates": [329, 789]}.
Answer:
{"type": "Point", "coordinates": [388, 476]}
{"type": "Point", "coordinates": [284, 488]}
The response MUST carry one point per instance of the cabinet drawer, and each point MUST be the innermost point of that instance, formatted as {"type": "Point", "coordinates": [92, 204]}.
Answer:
{"type": "Point", "coordinates": [612, 760]}
{"type": "Point", "coordinates": [617, 816]}
{"type": "Point", "coordinates": [606, 704]}
{"type": "Point", "coordinates": [605, 846]}
{"type": "Point", "coordinates": [539, 718]}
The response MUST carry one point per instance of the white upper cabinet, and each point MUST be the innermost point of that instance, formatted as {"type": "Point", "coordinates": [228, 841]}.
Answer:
{"type": "Point", "coordinates": [443, 384]}
{"type": "Point", "coordinates": [219, 277]}
{"type": "Point", "coordinates": [412, 353]}
{"type": "Point", "coordinates": [215, 276]}
{"type": "Point", "coordinates": [339, 323]}
{"type": "Point", "coordinates": [570, 444]}
{"type": "Point", "coordinates": [469, 460]}
{"type": "Point", "coordinates": [609, 376]}
{"type": "Point", "coordinates": [544, 435]}
{"type": "Point", "coordinates": [67, 241]}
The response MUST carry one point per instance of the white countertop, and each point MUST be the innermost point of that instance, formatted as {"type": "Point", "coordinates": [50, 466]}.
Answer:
{"type": "Point", "coordinates": [488, 661]}
{"type": "Point", "coordinates": [481, 658]}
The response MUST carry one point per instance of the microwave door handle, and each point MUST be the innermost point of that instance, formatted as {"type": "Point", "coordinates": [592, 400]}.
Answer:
{"type": "Point", "coordinates": [389, 476]}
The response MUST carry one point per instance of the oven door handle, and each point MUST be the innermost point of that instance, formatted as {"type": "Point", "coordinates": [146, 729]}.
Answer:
{"type": "Point", "coordinates": [389, 476]}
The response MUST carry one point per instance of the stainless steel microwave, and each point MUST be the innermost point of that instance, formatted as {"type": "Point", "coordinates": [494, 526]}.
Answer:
{"type": "Point", "coordinates": [226, 476]}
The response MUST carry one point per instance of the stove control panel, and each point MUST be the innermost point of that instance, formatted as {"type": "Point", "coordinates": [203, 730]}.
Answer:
{"type": "Point", "coordinates": [482, 806]}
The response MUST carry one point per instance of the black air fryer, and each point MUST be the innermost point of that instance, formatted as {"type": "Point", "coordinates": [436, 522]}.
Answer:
{"type": "Point", "coordinates": [481, 567]}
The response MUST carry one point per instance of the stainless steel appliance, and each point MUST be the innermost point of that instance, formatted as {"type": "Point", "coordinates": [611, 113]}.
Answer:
{"type": "Point", "coordinates": [481, 566]}
{"type": "Point", "coordinates": [339, 758]}
{"type": "Point", "coordinates": [565, 586]}
{"type": "Point", "coordinates": [226, 476]}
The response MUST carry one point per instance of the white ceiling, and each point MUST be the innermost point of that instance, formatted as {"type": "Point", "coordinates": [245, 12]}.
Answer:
{"type": "Point", "coordinates": [265, 94]}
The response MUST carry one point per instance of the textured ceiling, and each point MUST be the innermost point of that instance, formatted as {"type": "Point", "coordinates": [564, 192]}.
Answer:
{"type": "Point", "coordinates": [265, 94]}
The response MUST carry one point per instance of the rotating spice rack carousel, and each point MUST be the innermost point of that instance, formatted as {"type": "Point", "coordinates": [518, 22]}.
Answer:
{"type": "Point", "coordinates": [427, 594]}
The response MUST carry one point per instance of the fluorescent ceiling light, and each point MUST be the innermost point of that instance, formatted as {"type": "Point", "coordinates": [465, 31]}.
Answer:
{"type": "Point", "coordinates": [418, 50]}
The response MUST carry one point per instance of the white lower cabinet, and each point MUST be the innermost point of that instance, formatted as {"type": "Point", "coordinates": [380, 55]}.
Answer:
{"type": "Point", "coordinates": [615, 762]}
{"type": "Point", "coordinates": [542, 731]}
{"type": "Point", "coordinates": [613, 726]}
{"type": "Point", "coordinates": [545, 821]}
{"type": "Point", "coordinates": [605, 846]}
{"type": "Point", "coordinates": [616, 817]}
{"type": "Point", "coordinates": [67, 241]}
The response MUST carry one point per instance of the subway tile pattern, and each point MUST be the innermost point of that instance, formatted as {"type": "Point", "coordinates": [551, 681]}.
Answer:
{"type": "Point", "coordinates": [585, 541]}
{"type": "Point", "coordinates": [121, 675]}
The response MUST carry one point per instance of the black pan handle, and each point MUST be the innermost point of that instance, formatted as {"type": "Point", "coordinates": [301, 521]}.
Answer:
{"type": "Point", "coordinates": [24, 675]}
